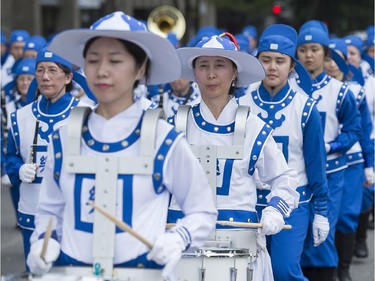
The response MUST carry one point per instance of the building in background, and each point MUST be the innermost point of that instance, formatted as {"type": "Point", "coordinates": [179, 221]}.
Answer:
{"type": "Point", "coordinates": [47, 17]}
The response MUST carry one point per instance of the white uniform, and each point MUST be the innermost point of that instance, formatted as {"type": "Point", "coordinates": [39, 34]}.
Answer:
{"type": "Point", "coordinates": [6, 71]}
{"type": "Point", "coordinates": [23, 124]}
{"type": "Point", "coordinates": [171, 102]}
{"type": "Point", "coordinates": [236, 185]}
{"type": "Point", "coordinates": [142, 200]}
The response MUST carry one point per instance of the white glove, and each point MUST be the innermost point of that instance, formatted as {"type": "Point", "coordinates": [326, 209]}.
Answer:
{"type": "Point", "coordinates": [5, 181]}
{"type": "Point", "coordinates": [167, 250]}
{"type": "Point", "coordinates": [272, 221]}
{"type": "Point", "coordinates": [328, 147]}
{"type": "Point", "coordinates": [261, 240]}
{"type": "Point", "coordinates": [320, 229]}
{"type": "Point", "coordinates": [35, 262]}
{"type": "Point", "coordinates": [27, 172]}
{"type": "Point", "coordinates": [369, 174]}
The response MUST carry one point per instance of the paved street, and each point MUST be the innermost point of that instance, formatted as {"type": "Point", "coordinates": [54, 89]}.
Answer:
{"type": "Point", "coordinates": [12, 260]}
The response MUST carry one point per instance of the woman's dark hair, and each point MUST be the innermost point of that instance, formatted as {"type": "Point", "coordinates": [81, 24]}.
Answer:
{"type": "Point", "coordinates": [67, 71]}
{"type": "Point", "coordinates": [327, 52]}
{"type": "Point", "coordinates": [137, 52]}
{"type": "Point", "coordinates": [233, 86]}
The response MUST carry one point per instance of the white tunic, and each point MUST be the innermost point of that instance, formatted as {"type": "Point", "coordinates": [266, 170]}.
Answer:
{"type": "Point", "coordinates": [236, 183]}
{"type": "Point", "coordinates": [141, 202]}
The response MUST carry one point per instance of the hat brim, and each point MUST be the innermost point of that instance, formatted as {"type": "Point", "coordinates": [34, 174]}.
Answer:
{"type": "Point", "coordinates": [249, 68]}
{"type": "Point", "coordinates": [341, 63]}
{"type": "Point", "coordinates": [165, 64]}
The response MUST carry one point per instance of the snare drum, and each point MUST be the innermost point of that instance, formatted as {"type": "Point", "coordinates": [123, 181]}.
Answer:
{"type": "Point", "coordinates": [208, 264]}
{"type": "Point", "coordinates": [228, 258]}
{"type": "Point", "coordinates": [78, 273]}
{"type": "Point", "coordinates": [49, 277]}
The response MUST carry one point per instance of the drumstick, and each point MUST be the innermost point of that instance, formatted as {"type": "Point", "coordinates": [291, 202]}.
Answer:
{"type": "Point", "coordinates": [47, 236]}
{"type": "Point", "coordinates": [248, 224]}
{"type": "Point", "coordinates": [121, 224]}
{"type": "Point", "coordinates": [239, 224]}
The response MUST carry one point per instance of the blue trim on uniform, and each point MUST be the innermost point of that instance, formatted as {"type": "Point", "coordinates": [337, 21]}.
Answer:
{"type": "Point", "coordinates": [83, 195]}
{"type": "Point", "coordinates": [304, 191]}
{"type": "Point", "coordinates": [257, 147]}
{"type": "Point", "coordinates": [224, 215]}
{"type": "Point", "coordinates": [354, 158]}
{"type": "Point", "coordinates": [16, 133]}
{"type": "Point", "coordinates": [341, 96]}
{"type": "Point", "coordinates": [237, 216]}
{"type": "Point", "coordinates": [282, 99]}
{"type": "Point", "coordinates": [185, 235]}
{"type": "Point", "coordinates": [322, 81]}
{"type": "Point", "coordinates": [336, 164]}
{"type": "Point", "coordinates": [157, 176]}
{"type": "Point", "coordinates": [25, 220]}
{"type": "Point", "coordinates": [280, 204]}
{"type": "Point", "coordinates": [52, 113]}
{"type": "Point", "coordinates": [170, 120]}
{"type": "Point", "coordinates": [306, 112]}
{"type": "Point", "coordinates": [209, 127]}
{"type": "Point", "coordinates": [140, 261]}
{"type": "Point", "coordinates": [109, 147]}
{"type": "Point", "coordinates": [53, 235]}
{"type": "Point", "coordinates": [41, 161]}
{"type": "Point", "coordinates": [57, 148]}
{"type": "Point", "coordinates": [361, 96]}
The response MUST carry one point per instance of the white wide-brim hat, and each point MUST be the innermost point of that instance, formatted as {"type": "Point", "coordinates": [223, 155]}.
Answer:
{"type": "Point", "coordinates": [249, 68]}
{"type": "Point", "coordinates": [165, 65]}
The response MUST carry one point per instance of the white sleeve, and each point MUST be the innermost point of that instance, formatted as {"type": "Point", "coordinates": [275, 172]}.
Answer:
{"type": "Point", "coordinates": [190, 188]}
{"type": "Point", "coordinates": [51, 200]}
{"type": "Point", "coordinates": [273, 170]}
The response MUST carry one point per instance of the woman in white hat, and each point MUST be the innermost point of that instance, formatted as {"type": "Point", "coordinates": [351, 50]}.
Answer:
{"type": "Point", "coordinates": [151, 160]}
{"type": "Point", "coordinates": [218, 67]}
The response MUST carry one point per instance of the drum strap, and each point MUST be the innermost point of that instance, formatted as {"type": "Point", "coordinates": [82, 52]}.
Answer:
{"type": "Point", "coordinates": [209, 154]}
{"type": "Point", "coordinates": [106, 170]}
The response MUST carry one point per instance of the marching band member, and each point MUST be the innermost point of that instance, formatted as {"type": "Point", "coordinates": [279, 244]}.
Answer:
{"type": "Point", "coordinates": [355, 46]}
{"type": "Point", "coordinates": [29, 134]}
{"type": "Point", "coordinates": [297, 128]}
{"type": "Point", "coordinates": [359, 156]}
{"type": "Point", "coordinates": [17, 41]}
{"type": "Point", "coordinates": [17, 89]}
{"type": "Point", "coordinates": [341, 125]}
{"type": "Point", "coordinates": [218, 67]}
{"type": "Point", "coordinates": [118, 52]}
{"type": "Point", "coordinates": [181, 92]}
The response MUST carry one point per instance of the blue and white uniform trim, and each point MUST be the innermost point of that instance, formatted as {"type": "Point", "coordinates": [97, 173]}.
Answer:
{"type": "Point", "coordinates": [25, 221]}
{"type": "Point", "coordinates": [208, 127]}
{"type": "Point", "coordinates": [280, 204]}
{"type": "Point", "coordinates": [336, 164]}
{"type": "Point", "coordinates": [57, 148]}
{"type": "Point", "coordinates": [343, 91]}
{"type": "Point", "coordinates": [113, 146]}
{"type": "Point", "coordinates": [322, 83]}
{"type": "Point", "coordinates": [157, 177]}
{"type": "Point", "coordinates": [304, 191]}
{"type": "Point", "coordinates": [306, 113]}
{"type": "Point", "coordinates": [185, 235]}
{"type": "Point", "coordinates": [260, 141]}
{"type": "Point", "coordinates": [13, 118]}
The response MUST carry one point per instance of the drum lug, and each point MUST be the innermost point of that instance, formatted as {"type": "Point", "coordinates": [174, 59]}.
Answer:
{"type": "Point", "coordinates": [202, 272]}
{"type": "Point", "coordinates": [249, 276]}
{"type": "Point", "coordinates": [233, 274]}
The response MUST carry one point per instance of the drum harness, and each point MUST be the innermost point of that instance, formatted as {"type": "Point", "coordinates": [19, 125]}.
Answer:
{"type": "Point", "coordinates": [208, 156]}
{"type": "Point", "coordinates": [106, 170]}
